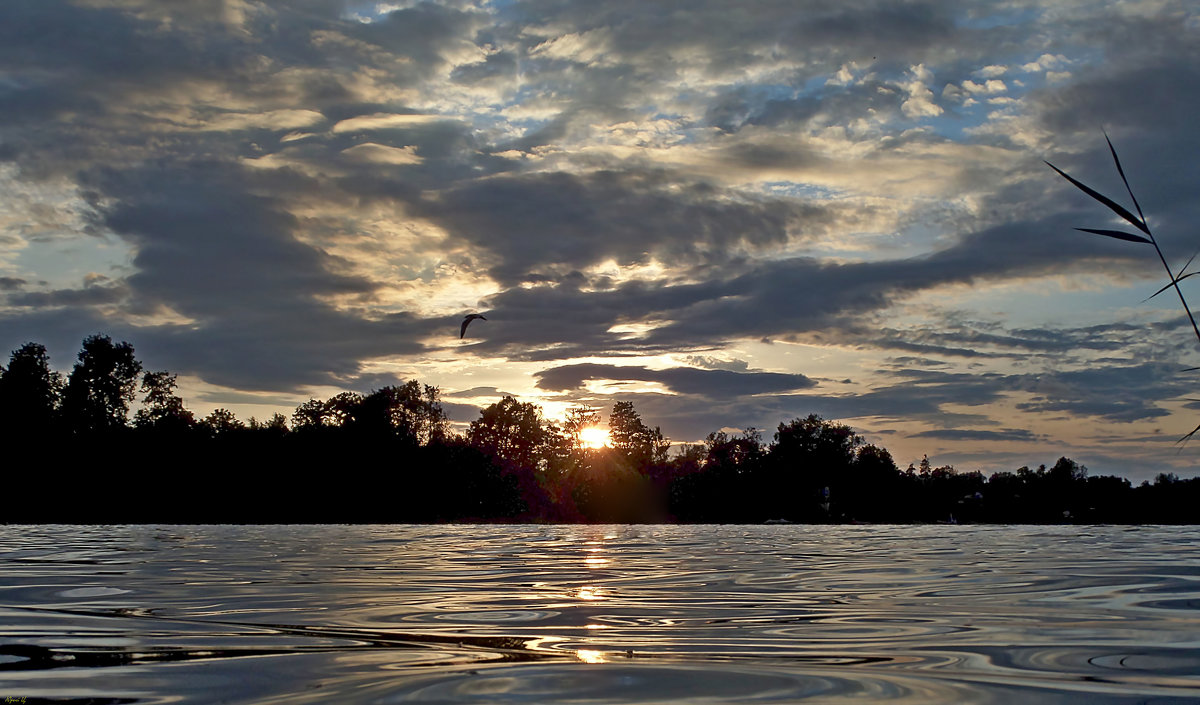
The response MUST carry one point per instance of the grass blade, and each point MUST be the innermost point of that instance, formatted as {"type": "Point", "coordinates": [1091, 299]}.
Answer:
{"type": "Point", "coordinates": [1118, 234]}
{"type": "Point", "coordinates": [1112, 205]}
{"type": "Point", "coordinates": [1121, 171]}
{"type": "Point", "coordinates": [1168, 286]}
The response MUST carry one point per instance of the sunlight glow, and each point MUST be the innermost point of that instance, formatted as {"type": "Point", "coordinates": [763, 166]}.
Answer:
{"type": "Point", "coordinates": [591, 656]}
{"type": "Point", "coordinates": [594, 437]}
{"type": "Point", "coordinates": [589, 593]}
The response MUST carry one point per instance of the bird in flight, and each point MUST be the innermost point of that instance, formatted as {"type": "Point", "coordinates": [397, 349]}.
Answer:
{"type": "Point", "coordinates": [470, 317]}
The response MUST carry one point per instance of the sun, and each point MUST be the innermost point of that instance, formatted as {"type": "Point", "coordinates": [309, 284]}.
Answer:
{"type": "Point", "coordinates": [594, 437]}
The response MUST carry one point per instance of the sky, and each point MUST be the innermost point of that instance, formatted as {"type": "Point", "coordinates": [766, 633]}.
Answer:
{"type": "Point", "coordinates": [730, 213]}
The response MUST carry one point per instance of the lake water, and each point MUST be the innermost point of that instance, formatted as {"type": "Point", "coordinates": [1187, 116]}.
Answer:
{"type": "Point", "coordinates": [600, 614]}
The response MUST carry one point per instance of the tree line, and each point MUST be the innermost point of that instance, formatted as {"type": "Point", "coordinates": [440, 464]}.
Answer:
{"type": "Point", "coordinates": [77, 450]}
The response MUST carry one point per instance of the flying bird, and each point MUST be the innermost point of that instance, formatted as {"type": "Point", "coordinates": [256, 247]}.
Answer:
{"type": "Point", "coordinates": [470, 317]}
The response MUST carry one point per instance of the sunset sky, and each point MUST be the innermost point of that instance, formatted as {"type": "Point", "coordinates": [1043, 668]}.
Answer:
{"type": "Point", "coordinates": [730, 213]}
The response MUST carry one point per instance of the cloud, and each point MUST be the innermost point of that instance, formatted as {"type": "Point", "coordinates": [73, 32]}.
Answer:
{"type": "Point", "coordinates": [1046, 62]}
{"type": "Point", "coordinates": [582, 47]}
{"type": "Point", "coordinates": [1114, 393]}
{"type": "Point", "coordinates": [90, 295]}
{"type": "Point", "coordinates": [383, 154]}
{"type": "Point", "coordinates": [232, 262]}
{"type": "Point", "coordinates": [1008, 434]}
{"type": "Point", "coordinates": [920, 98]}
{"type": "Point", "coordinates": [713, 384]}
{"type": "Point", "coordinates": [381, 121]}
{"type": "Point", "coordinates": [551, 224]}
{"type": "Point", "coordinates": [989, 87]}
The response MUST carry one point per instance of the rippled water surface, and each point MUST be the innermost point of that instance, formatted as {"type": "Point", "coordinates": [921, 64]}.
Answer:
{"type": "Point", "coordinates": [598, 614]}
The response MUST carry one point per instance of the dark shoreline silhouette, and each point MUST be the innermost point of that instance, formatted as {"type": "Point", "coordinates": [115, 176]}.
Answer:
{"type": "Point", "coordinates": [75, 454]}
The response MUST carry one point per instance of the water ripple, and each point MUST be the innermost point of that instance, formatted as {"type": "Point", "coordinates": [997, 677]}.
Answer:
{"type": "Point", "coordinates": [454, 614]}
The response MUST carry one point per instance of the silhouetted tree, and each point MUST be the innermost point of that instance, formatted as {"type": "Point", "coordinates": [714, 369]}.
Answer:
{"type": "Point", "coordinates": [341, 409]}
{"type": "Point", "coordinates": [733, 455]}
{"type": "Point", "coordinates": [524, 444]}
{"type": "Point", "coordinates": [640, 444]}
{"type": "Point", "coordinates": [515, 432]}
{"type": "Point", "coordinates": [725, 482]}
{"type": "Point", "coordinates": [577, 419]}
{"type": "Point", "coordinates": [513, 463]}
{"type": "Point", "coordinates": [101, 386]}
{"type": "Point", "coordinates": [277, 424]}
{"type": "Point", "coordinates": [879, 494]}
{"type": "Point", "coordinates": [221, 422]}
{"type": "Point", "coordinates": [309, 415]}
{"type": "Point", "coordinates": [162, 409]}
{"type": "Point", "coordinates": [29, 391]}
{"type": "Point", "coordinates": [808, 456]}
{"type": "Point", "coordinates": [410, 411]}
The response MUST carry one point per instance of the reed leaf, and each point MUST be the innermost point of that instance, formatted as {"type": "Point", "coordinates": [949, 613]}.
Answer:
{"type": "Point", "coordinates": [1112, 205]}
{"type": "Point", "coordinates": [1171, 284]}
{"type": "Point", "coordinates": [1140, 223]}
{"type": "Point", "coordinates": [1189, 262]}
{"type": "Point", "coordinates": [1121, 171]}
{"type": "Point", "coordinates": [1118, 234]}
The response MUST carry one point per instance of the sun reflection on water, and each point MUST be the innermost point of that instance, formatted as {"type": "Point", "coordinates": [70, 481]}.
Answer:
{"type": "Point", "coordinates": [590, 593]}
{"type": "Point", "coordinates": [594, 559]}
{"type": "Point", "coordinates": [591, 656]}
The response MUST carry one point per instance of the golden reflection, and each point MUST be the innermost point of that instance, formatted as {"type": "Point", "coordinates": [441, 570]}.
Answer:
{"type": "Point", "coordinates": [590, 592]}
{"type": "Point", "coordinates": [594, 560]}
{"type": "Point", "coordinates": [590, 656]}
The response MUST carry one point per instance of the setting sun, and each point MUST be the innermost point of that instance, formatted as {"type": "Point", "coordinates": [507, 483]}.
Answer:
{"type": "Point", "coordinates": [594, 437]}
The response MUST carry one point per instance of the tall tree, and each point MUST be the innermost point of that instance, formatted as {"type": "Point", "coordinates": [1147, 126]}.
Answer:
{"type": "Point", "coordinates": [813, 441]}
{"type": "Point", "coordinates": [736, 455]}
{"type": "Point", "coordinates": [29, 390]}
{"type": "Point", "coordinates": [309, 415]}
{"type": "Point", "coordinates": [410, 410]}
{"type": "Point", "coordinates": [221, 422]}
{"type": "Point", "coordinates": [515, 432]}
{"type": "Point", "coordinates": [579, 418]}
{"type": "Point", "coordinates": [810, 459]}
{"type": "Point", "coordinates": [341, 409]}
{"type": "Point", "coordinates": [162, 409]}
{"type": "Point", "coordinates": [641, 445]}
{"type": "Point", "coordinates": [101, 386]}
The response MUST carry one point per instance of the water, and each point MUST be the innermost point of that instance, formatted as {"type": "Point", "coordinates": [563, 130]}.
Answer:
{"type": "Point", "coordinates": [600, 614]}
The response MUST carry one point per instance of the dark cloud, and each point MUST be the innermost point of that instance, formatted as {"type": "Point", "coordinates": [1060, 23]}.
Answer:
{"type": "Point", "coordinates": [479, 392]}
{"type": "Point", "coordinates": [553, 223]}
{"type": "Point", "coordinates": [1120, 394]}
{"type": "Point", "coordinates": [907, 361]}
{"type": "Point", "coordinates": [209, 249]}
{"type": "Point", "coordinates": [11, 283]}
{"type": "Point", "coordinates": [421, 34]}
{"type": "Point", "coordinates": [1008, 434]}
{"type": "Point", "coordinates": [207, 246]}
{"type": "Point", "coordinates": [799, 297]}
{"type": "Point", "coordinates": [460, 413]}
{"type": "Point", "coordinates": [87, 296]}
{"type": "Point", "coordinates": [500, 65]}
{"type": "Point", "coordinates": [712, 384]}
